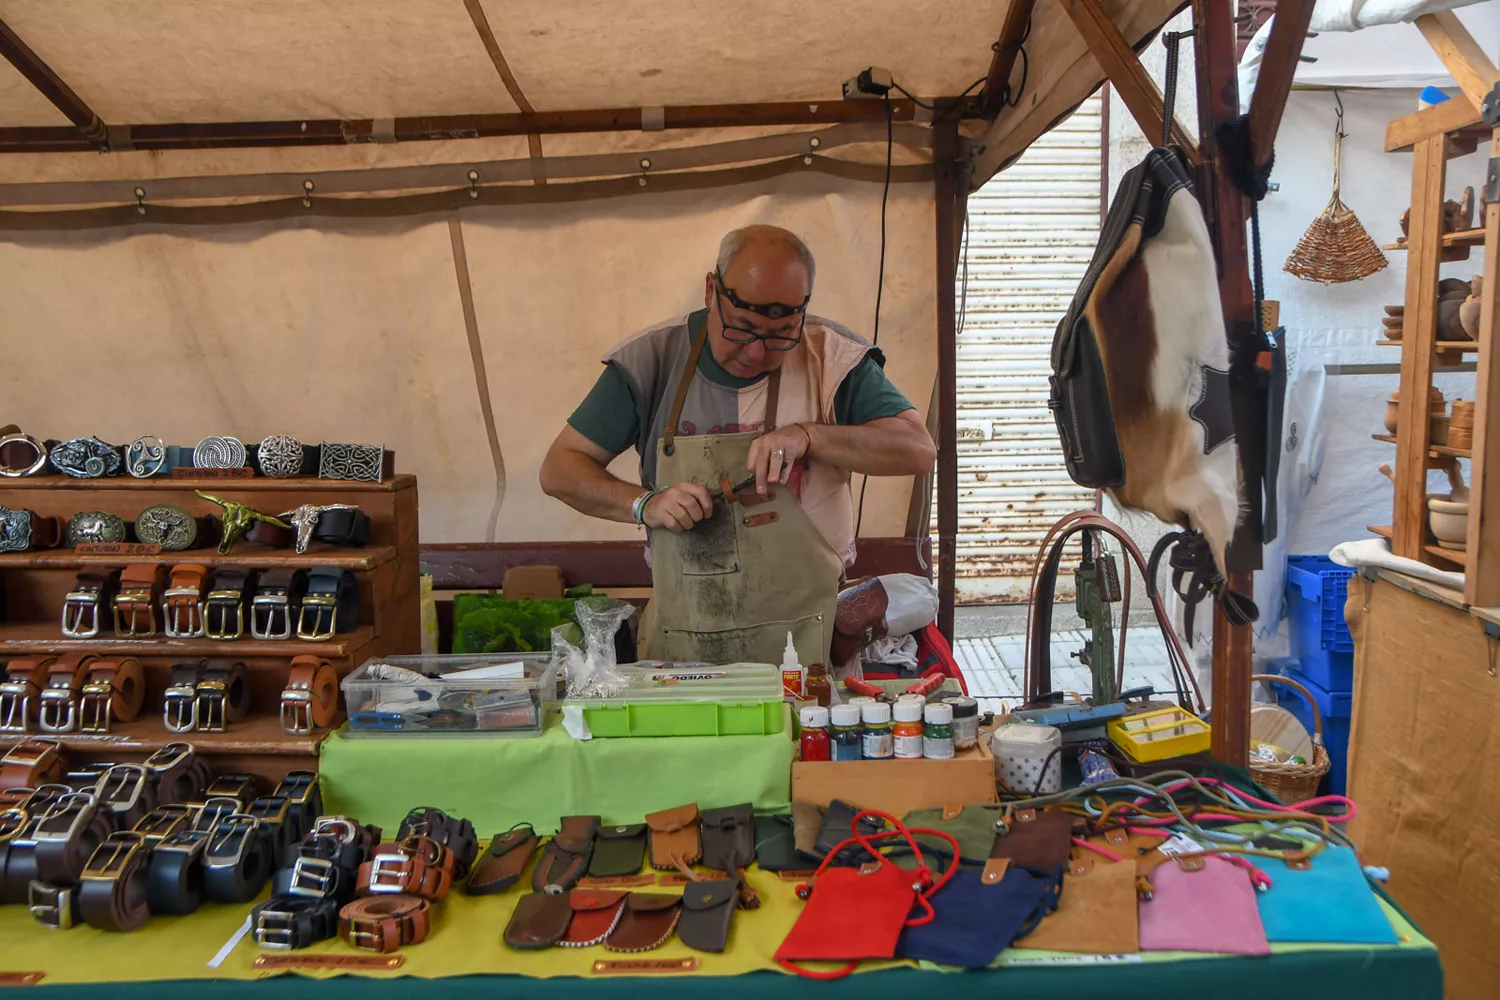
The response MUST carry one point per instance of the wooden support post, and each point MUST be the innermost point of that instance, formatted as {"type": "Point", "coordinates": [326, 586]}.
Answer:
{"type": "Point", "coordinates": [1277, 67]}
{"type": "Point", "coordinates": [1418, 340]}
{"type": "Point", "coordinates": [1463, 57]}
{"type": "Point", "coordinates": [997, 83]}
{"type": "Point", "coordinates": [1482, 576]}
{"type": "Point", "coordinates": [1126, 74]}
{"type": "Point", "coordinates": [53, 87]}
{"type": "Point", "coordinates": [951, 191]}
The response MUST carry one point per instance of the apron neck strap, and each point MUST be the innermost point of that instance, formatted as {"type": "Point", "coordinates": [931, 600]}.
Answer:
{"type": "Point", "coordinates": [685, 381]}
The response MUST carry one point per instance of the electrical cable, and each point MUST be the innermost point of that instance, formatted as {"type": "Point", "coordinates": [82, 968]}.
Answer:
{"type": "Point", "coordinates": [885, 196]}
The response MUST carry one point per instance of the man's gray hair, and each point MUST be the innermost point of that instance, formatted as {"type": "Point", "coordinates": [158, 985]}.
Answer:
{"type": "Point", "coordinates": [736, 240]}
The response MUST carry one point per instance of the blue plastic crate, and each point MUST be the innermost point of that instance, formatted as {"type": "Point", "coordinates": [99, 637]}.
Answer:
{"type": "Point", "coordinates": [1316, 587]}
{"type": "Point", "coordinates": [1336, 707]}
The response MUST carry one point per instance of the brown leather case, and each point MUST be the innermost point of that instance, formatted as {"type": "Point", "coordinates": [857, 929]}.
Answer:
{"type": "Point", "coordinates": [674, 837]}
{"type": "Point", "coordinates": [595, 914]}
{"type": "Point", "coordinates": [707, 912]}
{"type": "Point", "coordinates": [648, 921]}
{"type": "Point", "coordinates": [502, 863]}
{"type": "Point", "coordinates": [1097, 913]}
{"type": "Point", "coordinates": [567, 855]}
{"type": "Point", "coordinates": [540, 921]}
{"type": "Point", "coordinates": [1037, 839]}
{"type": "Point", "coordinates": [859, 619]}
{"type": "Point", "coordinates": [729, 837]}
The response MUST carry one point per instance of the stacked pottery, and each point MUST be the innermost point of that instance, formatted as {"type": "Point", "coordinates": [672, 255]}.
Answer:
{"type": "Point", "coordinates": [1461, 425]}
{"type": "Point", "coordinates": [1395, 317]}
{"type": "Point", "coordinates": [1436, 407]}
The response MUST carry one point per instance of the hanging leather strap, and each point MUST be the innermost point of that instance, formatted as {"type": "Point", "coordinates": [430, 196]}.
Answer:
{"type": "Point", "coordinates": [685, 381]}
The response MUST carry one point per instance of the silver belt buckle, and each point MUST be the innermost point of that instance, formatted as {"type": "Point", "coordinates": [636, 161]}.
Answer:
{"type": "Point", "coordinates": [121, 787]}
{"type": "Point", "coordinates": [209, 711]}
{"type": "Point", "coordinates": [179, 712]}
{"type": "Point", "coordinates": [311, 877]}
{"type": "Point", "coordinates": [217, 626]}
{"type": "Point", "coordinates": [269, 604]}
{"type": "Point", "coordinates": [58, 711]}
{"type": "Point", "coordinates": [273, 930]}
{"type": "Point", "coordinates": [15, 706]}
{"type": "Point", "coordinates": [317, 605]}
{"type": "Point", "coordinates": [387, 873]}
{"type": "Point", "coordinates": [78, 606]}
{"type": "Point", "coordinates": [228, 841]}
{"type": "Point", "coordinates": [72, 813]}
{"type": "Point", "coordinates": [344, 830]}
{"type": "Point", "coordinates": [51, 905]}
{"type": "Point", "coordinates": [134, 600]}
{"type": "Point", "coordinates": [164, 822]}
{"type": "Point", "coordinates": [214, 809]}
{"type": "Point", "coordinates": [168, 757]}
{"type": "Point", "coordinates": [96, 706]}
{"type": "Point", "coordinates": [171, 613]}
{"type": "Point", "coordinates": [296, 711]}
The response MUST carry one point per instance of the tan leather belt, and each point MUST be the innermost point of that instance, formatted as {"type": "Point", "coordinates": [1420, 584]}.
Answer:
{"type": "Point", "coordinates": [135, 604]}
{"type": "Point", "coordinates": [18, 693]}
{"type": "Point", "coordinates": [384, 923]}
{"type": "Point", "coordinates": [58, 709]}
{"type": "Point", "coordinates": [418, 866]}
{"type": "Point", "coordinates": [31, 763]}
{"type": "Point", "coordinates": [114, 689]}
{"type": "Point", "coordinates": [311, 697]}
{"type": "Point", "coordinates": [182, 602]}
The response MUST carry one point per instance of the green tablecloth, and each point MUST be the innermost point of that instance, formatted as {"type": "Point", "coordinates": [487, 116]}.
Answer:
{"type": "Point", "coordinates": [497, 783]}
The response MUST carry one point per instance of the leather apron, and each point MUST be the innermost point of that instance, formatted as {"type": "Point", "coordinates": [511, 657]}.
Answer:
{"type": "Point", "coordinates": [731, 589]}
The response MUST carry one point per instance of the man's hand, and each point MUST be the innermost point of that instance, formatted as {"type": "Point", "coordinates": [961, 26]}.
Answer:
{"type": "Point", "coordinates": [677, 508]}
{"type": "Point", "coordinates": [773, 455]}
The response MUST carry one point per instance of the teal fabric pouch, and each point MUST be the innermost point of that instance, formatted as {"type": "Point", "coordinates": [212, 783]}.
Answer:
{"type": "Point", "coordinates": [1327, 902]}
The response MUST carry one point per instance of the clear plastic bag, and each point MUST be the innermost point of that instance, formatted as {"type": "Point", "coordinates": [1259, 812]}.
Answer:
{"type": "Point", "coordinates": [592, 671]}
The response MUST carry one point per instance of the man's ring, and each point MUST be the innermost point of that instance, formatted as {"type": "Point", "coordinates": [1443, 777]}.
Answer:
{"type": "Point", "coordinates": [780, 455]}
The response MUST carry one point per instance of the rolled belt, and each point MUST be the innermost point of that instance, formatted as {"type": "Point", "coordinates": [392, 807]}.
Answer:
{"type": "Point", "coordinates": [311, 697]}
{"type": "Point", "coordinates": [23, 682]}
{"type": "Point", "coordinates": [67, 836]}
{"type": "Point", "coordinates": [32, 762]}
{"type": "Point", "coordinates": [384, 923]}
{"type": "Point", "coordinates": [58, 702]}
{"type": "Point", "coordinates": [113, 690]}
{"type": "Point", "coordinates": [113, 893]}
{"type": "Point", "coordinates": [223, 695]}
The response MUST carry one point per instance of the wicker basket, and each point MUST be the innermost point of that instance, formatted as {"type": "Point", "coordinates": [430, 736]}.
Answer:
{"type": "Point", "coordinates": [1294, 782]}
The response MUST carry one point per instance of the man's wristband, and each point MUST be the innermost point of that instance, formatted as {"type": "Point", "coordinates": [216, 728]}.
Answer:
{"type": "Point", "coordinates": [807, 434]}
{"type": "Point", "coordinates": [638, 509]}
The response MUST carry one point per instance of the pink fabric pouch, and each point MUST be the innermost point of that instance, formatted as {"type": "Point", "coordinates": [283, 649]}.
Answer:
{"type": "Point", "coordinates": [1202, 904]}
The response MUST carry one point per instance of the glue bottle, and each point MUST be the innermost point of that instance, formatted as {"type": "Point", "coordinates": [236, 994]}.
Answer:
{"type": "Point", "coordinates": [793, 677]}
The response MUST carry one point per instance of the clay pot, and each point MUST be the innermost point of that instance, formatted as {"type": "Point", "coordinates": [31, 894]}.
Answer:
{"type": "Point", "coordinates": [1436, 407]}
{"type": "Point", "coordinates": [1392, 414]}
{"type": "Point", "coordinates": [1393, 322]}
{"type": "Point", "coordinates": [1449, 325]}
{"type": "Point", "coordinates": [1454, 288]}
{"type": "Point", "coordinates": [1395, 310]}
{"type": "Point", "coordinates": [1437, 429]}
{"type": "Point", "coordinates": [1449, 522]}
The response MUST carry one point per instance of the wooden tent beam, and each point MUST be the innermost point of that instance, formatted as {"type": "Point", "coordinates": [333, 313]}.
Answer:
{"type": "Point", "coordinates": [95, 134]}
{"type": "Point", "coordinates": [996, 90]}
{"type": "Point", "coordinates": [1277, 67]}
{"type": "Point", "coordinates": [1126, 74]}
{"type": "Point", "coordinates": [1460, 53]}
{"type": "Point", "coordinates": [951, 192]}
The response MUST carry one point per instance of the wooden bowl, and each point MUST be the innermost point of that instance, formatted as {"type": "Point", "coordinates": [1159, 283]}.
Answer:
{"type": "Point", "coordinates": [1395, 310]}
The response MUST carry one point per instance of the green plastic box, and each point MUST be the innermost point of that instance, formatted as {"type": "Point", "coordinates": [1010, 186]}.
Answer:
{"type": "Point", "coordinates": [687, 718]}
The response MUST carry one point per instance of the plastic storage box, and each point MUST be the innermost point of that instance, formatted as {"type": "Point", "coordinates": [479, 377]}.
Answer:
{"type": "Point", "coordinates": [1316, 587]}
{"type": "Point", "coordinates": [515, 701]}
{"type": "Point", "coordinates": [738, 699]}
{"type": "Point", "coordinates": [1337, 708]}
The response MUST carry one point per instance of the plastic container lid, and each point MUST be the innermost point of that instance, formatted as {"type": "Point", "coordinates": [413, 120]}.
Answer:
{"type": "Point", "coordinates": [939, 714]}
{"type": "Point", "coordinates": [862, 700]}
{"type": "Point", "coordinates": [962, 706]}
{"type": "Point", "coordinates": [844, 715]}
{"type": "Point", "coordinates": [908, 711]}
{"type": "Point", "coordinates": [814, 717]}
{"type": "Point", "coordinates": [875, 714]}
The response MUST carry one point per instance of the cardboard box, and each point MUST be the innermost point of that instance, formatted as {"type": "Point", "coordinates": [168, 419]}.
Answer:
{"type": "Point", "coordinates": [898, 786]}
{"type": "Point", "coordinates": [538, 583]}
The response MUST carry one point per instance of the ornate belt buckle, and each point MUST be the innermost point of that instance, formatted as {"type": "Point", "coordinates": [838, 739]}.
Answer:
{"type": "Point", "coordinates": [15, 706]}
{"type": "Point", "coordinates": [358, 462]}
{"type": "Point", "coordinates": [51, 905]}
{"type": "Point", "coordinates": [121, 787]}
{"type": "Point", "coordinates": [95, 706]}
{"type": "Point", "coordinates": [296, 711]}
{"type": "Point", "coordinates": [111, 858]}
{"type": "Point", "coordinates": [81, 606]}
{"type": "Point", "coordinates": [217, 627]}
{"type": "Point", "coordinates": [95, 526]}
{"type": "Point", "coordinates": [58, 712]}
{"type": "Point", "coordinates": [87, 458]}
{"type": "Point", "coordinates": [15, 530]}
{"type": "Point", "coordinates": [135, 601]}
{"type": "Point", "coordinates": [179, 712]}
{"type": "Point", "coordinates": [317, 605]}
{"type": "Point", "coordinates": [313, 877]}
{"type": "Point", "coordinates": [146, 456]}
{"type": "Point", "coordinates": [269, 604]}
{"type": "Point", "coordinates": [228, 841]}
{"type": "Point", "coordinates": [16, 471]}
{"type": "Point", "coordinates": [66, 818]}
{"type": "Point", "coordinates": [164, 822]}
{"type": "Point", "coordinates": [389, 873]}
{"type": "Point", "coordinates": [172, 611]}
{"type": "Point", "coordinates": [210, 707]}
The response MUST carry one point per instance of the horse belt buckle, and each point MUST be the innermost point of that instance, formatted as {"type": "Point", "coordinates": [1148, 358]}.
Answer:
{"type": "Point", "coordinates": [219, 629]}
{"type": "Point", "coordinates": [15, 706]}
{"type": "Point", "coordinates": [209, 709]}
{"type": "Point", "coordinates": [58, 712]}
{"type": "Point", "coordinates": [78, 606]}
{"type": "Point", "coordinates": [296, 710]}
{"type": "Point", "coordinates": [317, 605]}
{"type": "Point", "coordinates": [271, 604]}
{"type": "Point", "coordinates": [96, 706]}
{"type": "Point", "coordinates": [172, 613]}
{"type": "Point", "coordinates": [179, 711]}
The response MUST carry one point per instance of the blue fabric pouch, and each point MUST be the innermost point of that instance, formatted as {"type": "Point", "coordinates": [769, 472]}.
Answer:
{"type": "Point", "coordinates": [976, 922]}
{"type": "Point", "coordinates": [1328, 902]}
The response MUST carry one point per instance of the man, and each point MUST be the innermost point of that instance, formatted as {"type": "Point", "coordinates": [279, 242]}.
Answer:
{"type": "Point", "coordinates": [793, 399]}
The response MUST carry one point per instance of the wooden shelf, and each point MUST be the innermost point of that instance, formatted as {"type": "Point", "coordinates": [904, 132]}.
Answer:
{"type": "Point", "coordinates": [1459, 238]}
{"type": "Point", "coordinates": [259, 735]}
{"type": "Point", "coordinates": [1383, 530]}
{"type": "Point", "coordinates": [1467, 346]}
{"type": "Point", "coordinates": [1434, 451]}
{"type": "Point", "coordinates": [45, 637]}
{"type": "Point", "coordinates": [243, 555]}
{"type": "Point", "coordinates": [1456, 556]}
{"type": "Point", "coordinates": [260, 484]}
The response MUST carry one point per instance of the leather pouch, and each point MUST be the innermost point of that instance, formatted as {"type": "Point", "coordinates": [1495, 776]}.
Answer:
{"type": "Point", "coordinates": [618, 850]}
{"type": "Point", "coordinates": [707, 912]}
{"type": "Point", "coordinates": [807, 820]}
{"type": "Point", "coordinates": [1325, 900]}
{"type": "Point", "coordinates": [776, 845]}
{"type": "Point", "coordinates": [859, 619]}
{"type": "Point", "coordinates": [674, 837]}
{"type": "Point", "coordinates": [1202, 904]}
{"type": "Point", "coordinates": [972, 826]}
{"type": "Point", "coordinates": [1037, 839]}
{"type": "Point", "coordinates": [595, 914]}
{"type": "Point", "coordinates": [1096, 914]}
{"type": "Point", "coordinates": [502, 863]}
{"type": "Point", "coordinates": [728, 837]}
{"type": "Point", "coordinates": [837, 827]}
{"type": "Point", "coordinates": [648, 921]}
{"type": "Point", "coordinates": [976, 920]}
{"type": "Point", "coordinates": [540, 921]}
{"type": "Point", "coordinates": [567, 855]}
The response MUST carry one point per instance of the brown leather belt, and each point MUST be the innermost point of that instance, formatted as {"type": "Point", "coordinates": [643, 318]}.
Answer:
{"type": "Point", "coordinates": [182, 601]}
{"type": "Point", "coordinates": [417, 866]}
{"type": "Point", "coordinates": [311, 697]}
{"type": "Point", "coordinates": [19, 691]}
{"type": "Point", "coordinates": [93, 590]}
{"type": "Point", "coordinates": [128, 791]}
{"type": "Point", "coordinates": [140, 592]}
{"type": "Point", "coordinates": [180, 775]}
{"type": "Point", "coordinates": [223, 695]}
{"type": "Point", "coordinates": [384, 923]}
{"type": "Point", "coordinates": [115, 689]}
{"type": "Point", "coordinates": [31, 763]}
{"type": "Point", "coordinates": [112, 889]}
{"type": "Point", "coordinates": [67, 835]}
{"type": "Point", "coordinates": [58, 702]}
{"type": "Point", "coordinates": [21, 530]}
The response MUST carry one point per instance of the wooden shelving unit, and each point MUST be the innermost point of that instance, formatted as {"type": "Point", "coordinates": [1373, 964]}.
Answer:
{"type": "Point", "coordinates": [1460, 238]}
{"type": "Point", "coordinates": [1433, 451]}
{"type": "Point", "coordinates": [35, 582]}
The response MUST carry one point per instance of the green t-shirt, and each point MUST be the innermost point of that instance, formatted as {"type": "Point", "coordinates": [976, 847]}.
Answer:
{"type": "Point", "coordinates": [609, 418]}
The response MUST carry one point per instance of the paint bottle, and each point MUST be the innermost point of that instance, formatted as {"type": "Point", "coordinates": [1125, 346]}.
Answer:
{"type": "Point", "coordinates": [907, 733]}
{"type": "Point", "coordinates": [847, 738]}
{"type": "Point", "coordinates": [817, 688]}
{"type": "Point", "coordinates": [878, 741]}
{"type": "Point", "coordinates": [965, 721]}
{"type": "Point", "coordinates": [815, 744]}
{"type": "Point", "coordinates": [792, 675]}
{"type": "Point", "coordinates": [938, 739]}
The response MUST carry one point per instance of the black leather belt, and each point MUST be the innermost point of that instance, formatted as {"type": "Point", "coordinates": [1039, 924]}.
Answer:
{"type": "Point", "coordinates": [67, 836]}
{"type": "Point", "coordinates": [113, 888]}
{"type": "Point", "coordinates": [179, 707]}
{"type": "Point", "coordinates": [18, 851]}
{"type": "Point", "coordinates": [277, 603]}
{"type": "Point", "coordinates": [324, 866]}
{"type": "Point", "coordinates": [330, 606]}
{"type": "Point", "coordinates": [284, 923]}
{"type": "Point", "coordinates": [175, 881]}
{"type": "Point", "coordinates": [236, 859]}
{"type": "Point", "coordinates": [274, 813]}
{"type": "Point", "coordinates": [163, 822]}
{"type": "Point", "coordinates": [239, 787]}
{"type": "Point", "coordinates": [224, 608]}
{"type": "Point", "coordinates": [180, 775]}
{"type": "Point", "coordinates": [93, 591]}
{"type": "Point", "coordinates": [128, 791]}
{"type": "Point", "coordinates": [215, 808]}
{"type": "Point", "coordinates": [300, 789]}
{"type": "Point", "coordinates": [54, 906]}
{"type": "Point", "coordinates": [223, 695]}
{"type": "Point", "coordinates": [349, 528]}
{"type": "Point", "coordinates": [455, 834]}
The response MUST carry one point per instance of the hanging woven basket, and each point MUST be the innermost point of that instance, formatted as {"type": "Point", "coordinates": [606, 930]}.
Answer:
{"type": "Point", "coordinates": [1335, 247]}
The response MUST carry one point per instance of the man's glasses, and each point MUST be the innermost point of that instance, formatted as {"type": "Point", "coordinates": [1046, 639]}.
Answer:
{"type": "Point", "coordinates": [743, 335]}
